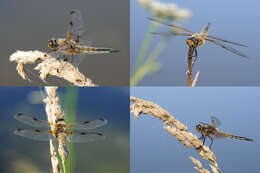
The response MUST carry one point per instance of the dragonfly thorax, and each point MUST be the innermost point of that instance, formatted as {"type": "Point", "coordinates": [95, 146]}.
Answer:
{"type": "Point", "coordinates": [60, 123]}
{"type": "Point", "coordinates": [205, 129]}
{"type": "Point", "coordinates": [54, 44]}
{"type": "Point", "coordinates": [195, 41]}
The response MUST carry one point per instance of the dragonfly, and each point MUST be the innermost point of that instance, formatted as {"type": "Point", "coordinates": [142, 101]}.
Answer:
{"type": "Point", "coordinates": [196, 40]}
{"type": "Point", "coordinates": [211, 131]}
{"type": "Point", "coordinates": [75, 46]}
{"type": "Point", "coordinates": [73, 132]}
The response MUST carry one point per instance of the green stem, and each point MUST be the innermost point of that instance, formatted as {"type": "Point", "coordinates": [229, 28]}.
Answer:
{"type": "Point", "coordinates": [146, 44]}
{"type": "Point", "coordinates": [71, 98]}
{"type": "Point", "coordinates": [148, 65]}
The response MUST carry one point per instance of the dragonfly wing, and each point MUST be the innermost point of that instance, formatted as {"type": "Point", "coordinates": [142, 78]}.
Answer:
{"type": "Point", "coordinates": [87, 125]}
{"type": "Point", "coordinates": [171, 33]}
{"type": "Point", "coordinates": [226, 41]}
{"type": "Point", "coordinates": [218, 134]}
{"type": "Point", "coordinates": [205, 30]}
{"type": "Point", "coordinates": [215, 122]}
{"type": "Point", "coordinates": [40, 135]}
{"type": "Point", "coordinates": [32, 121]}
{"type": "Point", "coordinates": [74, 59]}
{"type": "Point", "coordinates": [77, 29]}
{"type": "Point", "coordinates": [76, 25]}
{"type": "Point", "coordinates": [227, 48]}
{"type": "Point", "coordinates": [204, 124]}
{"type": "Point", "coordinates": [83, 137]}
{"type": "Point", "coordinates": [171, 25]}
{"type": "Point", "coordinates": [60, 54]}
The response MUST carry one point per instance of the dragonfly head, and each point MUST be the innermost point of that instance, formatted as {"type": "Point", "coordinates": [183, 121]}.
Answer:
{"type": "Point", "coordinates": [199, 128]}
{"type": "Point", "coordinates": [195, 41]}
{"type": "Point", "coordinates": [52, 44]}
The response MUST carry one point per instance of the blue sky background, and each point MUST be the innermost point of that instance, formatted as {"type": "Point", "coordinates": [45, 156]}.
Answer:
{"type": "Point", "coordinates": [234, 20]}
{"type": "Point", "coordinates": [111, 154]}
{"type": "Point", "coordinates": [154, 150]}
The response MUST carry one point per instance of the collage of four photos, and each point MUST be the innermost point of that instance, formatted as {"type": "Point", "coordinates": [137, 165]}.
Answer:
{"type": "Point", "coordinates": [129, 86]}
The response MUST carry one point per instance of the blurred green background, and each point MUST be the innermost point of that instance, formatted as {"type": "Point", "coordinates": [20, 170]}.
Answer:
{"type": "Point", "coordinates": [27, 25]}
{"type": "Point", "coordinates": [18, 154]}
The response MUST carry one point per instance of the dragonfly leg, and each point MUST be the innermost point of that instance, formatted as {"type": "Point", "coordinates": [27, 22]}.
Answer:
{"type": "Point", "coordinates": [201, 146]}
{"type": "Point", "coordinates": [201, 137]}
{"type": "Point", "coordinates": [211, 142]}
{"type": "Point", "coordinates": [204, 138]}
{"type": "Point", "coordinates": [195, 55]}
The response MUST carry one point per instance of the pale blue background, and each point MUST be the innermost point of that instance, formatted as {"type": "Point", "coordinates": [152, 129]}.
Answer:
{"type": "Point", "coordinates": [233, 20]}
{"type": "Point", "coordinates": [154, 150]}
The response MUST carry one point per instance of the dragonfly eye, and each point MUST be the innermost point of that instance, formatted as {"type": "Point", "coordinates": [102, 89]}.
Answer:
{"type": "Point", "coordinates": [198, 127]}
{"type": "Point", "coordinates": [52, 44]}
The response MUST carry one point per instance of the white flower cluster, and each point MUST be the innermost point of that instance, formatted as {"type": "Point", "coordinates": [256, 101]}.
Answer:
{"type": "Point", "coordinates": [165, 10]}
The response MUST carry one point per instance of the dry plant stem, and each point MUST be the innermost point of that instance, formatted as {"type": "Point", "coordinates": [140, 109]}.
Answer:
{"type": "Point", "coordinates": [49, 108]}
{"type": "Point", "coordinates": [189, 71]}
{"type": "Point", "coordinates": [174, 127]}
{"type": "Point", "coordinates": [54, 112]}
{"type": "Point", "coordinates": [49, 65]}
{"type": "Point", "coordinates": [198, 166]}
{"type": "Point", "coordinates": [195, 79]}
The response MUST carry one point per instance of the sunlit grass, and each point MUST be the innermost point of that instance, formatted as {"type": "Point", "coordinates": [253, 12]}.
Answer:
{"type": "Point", "coordinates": [70, 109]}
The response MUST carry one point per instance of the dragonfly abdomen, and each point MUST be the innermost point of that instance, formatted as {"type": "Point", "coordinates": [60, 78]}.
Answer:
{"type": "Point", "coordinates": [238, 137]}
{"type": "Point", "coordinates": [94, 50]}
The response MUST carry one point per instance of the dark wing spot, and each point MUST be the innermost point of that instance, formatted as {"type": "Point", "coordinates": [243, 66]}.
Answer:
{"type": "Point", "coordinates": [71, 24]}
{"type": "Point", "coordinates": [35, 119]}
{"type": "Point", "coordinates": [77, 40]}
{"type": "Point", "coordinates": [72, 12]}
{"type": "Point", "coordinates": [101, 119]}
{"type": "Point", "coordinates": [60, 119]}
{"type": "Point", "coordinates": [83, 133]}
{"type": "Point", "coordinates": [19, 130]}
{"type": "Point", "coordinates": [100, 134]}
{"type": "Point", "coordinates": [86, 122]}
{"type": "Point", "coordinates": [37, 130]}
{"type": "Point", "coordinates": [19, 114]}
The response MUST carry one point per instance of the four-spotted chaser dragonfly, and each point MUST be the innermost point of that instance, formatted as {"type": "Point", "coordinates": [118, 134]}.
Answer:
{"type": "Point", "coordinates": [59, 130]}
{"type": "Point", "coordinates": [198, 39]}
{"type": "Point", "coordinates": [211, 131]}
{"type": "Point", "coordinates": [75, 47]}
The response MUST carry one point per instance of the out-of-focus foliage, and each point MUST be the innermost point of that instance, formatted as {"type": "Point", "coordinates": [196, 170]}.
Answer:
{"type": "Point", "coordinates": [146, 63]}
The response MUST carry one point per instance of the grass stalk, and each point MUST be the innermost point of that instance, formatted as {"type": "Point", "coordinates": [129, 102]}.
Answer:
{"type": "Point", "coordinates": [150, 65]}
{"type": "Point", "coordinates": [145, 45]}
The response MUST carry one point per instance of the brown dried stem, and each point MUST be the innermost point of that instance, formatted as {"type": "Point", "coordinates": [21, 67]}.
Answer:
{"type": "Point", "coordinates": [174, 127]}
{"type": "Point", "coordinates": [195, 79]}
{"type": "Point", "coordinates": [189, 71]}
{"type": "Point", "coordinates": [49, 65]}
{"type": "Point", "coordinates": [54, 112]}
{"type": "Point", "coordinates": [189, 81]}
